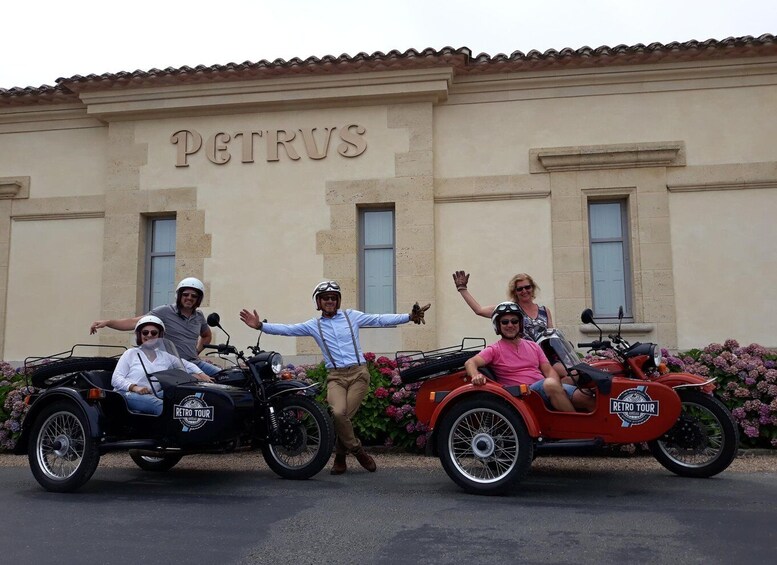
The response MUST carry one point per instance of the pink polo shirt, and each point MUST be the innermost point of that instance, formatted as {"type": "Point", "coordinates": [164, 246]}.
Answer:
{"type": "Point", "coordinates": [515, 364]}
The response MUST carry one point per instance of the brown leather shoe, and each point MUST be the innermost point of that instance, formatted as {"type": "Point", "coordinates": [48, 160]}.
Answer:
{"type": "Point", "coordinates": [365, 460]}
{"type": "Point", "coordinates": [339, 467]}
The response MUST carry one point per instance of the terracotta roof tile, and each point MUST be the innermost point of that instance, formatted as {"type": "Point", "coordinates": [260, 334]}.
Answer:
{"type": "Point", "coordinates": [461, 59]}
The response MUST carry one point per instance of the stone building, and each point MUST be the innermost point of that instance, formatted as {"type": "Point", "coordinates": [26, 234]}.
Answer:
{"type": "Point", "coordinates": [641, 176]}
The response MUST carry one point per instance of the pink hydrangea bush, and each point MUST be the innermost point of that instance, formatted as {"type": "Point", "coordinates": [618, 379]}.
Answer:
{"type": "Point", "coordinates": [13, 389]}
{"type": "Point", "coordinates": [746, 383]}
{"type": "Point", "coordinates": [387, 414]}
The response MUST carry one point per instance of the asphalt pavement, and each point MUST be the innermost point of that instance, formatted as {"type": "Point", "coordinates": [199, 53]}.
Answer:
{"type": "Point", "coordinates": [234, 510]}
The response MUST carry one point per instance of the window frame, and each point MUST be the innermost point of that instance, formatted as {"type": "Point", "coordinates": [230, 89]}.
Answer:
{"type": "Point", "coordinates": [363, 248]}
{"type": "Point", "coordinates": [626, 241]}
{"type": "Point", "coordinates": [151, 254]}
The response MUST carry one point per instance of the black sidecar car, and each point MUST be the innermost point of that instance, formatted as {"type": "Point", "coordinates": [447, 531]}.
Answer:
{"type": "Point", "coordinates": [76, 416]}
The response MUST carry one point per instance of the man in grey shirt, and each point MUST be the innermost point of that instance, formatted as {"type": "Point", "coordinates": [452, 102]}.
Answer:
{"type": "Point", "coordinates": [185, 325]}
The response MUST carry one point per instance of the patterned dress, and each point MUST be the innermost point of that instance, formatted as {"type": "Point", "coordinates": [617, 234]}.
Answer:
{"type": "Point", "coordinates": [533, 328]}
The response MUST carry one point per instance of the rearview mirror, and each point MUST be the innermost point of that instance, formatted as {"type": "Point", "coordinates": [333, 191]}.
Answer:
{"type": "Point", "coordinates": [587, 317]}
{"type": "Point", "coordinates": [214, 320]}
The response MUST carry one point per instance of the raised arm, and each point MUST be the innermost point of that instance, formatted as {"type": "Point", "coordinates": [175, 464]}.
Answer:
{"type": "Point", "coordinates": [251, 319]}
{"type": "Point", "coordinates": [124, 324]}
{"type": "Point", "coordinates": [460, 278]}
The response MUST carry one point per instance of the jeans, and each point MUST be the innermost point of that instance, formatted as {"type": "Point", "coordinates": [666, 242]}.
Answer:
{"type": "Point", "coordinates": [206, 367]}
{"type": "Point", "coordinates": [145, 403]}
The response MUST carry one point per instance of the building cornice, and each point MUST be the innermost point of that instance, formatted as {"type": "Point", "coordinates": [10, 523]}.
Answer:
{"type": "Point", "coordinates": [430, 85]}
{"type": "Point", "coordinates": [615, 156]}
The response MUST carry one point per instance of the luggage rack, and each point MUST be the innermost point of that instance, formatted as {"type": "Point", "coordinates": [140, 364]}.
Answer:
{"type": "Point", "coordinates": [420, 365]}
{"type": "Point", "coordinates": [58, 363]}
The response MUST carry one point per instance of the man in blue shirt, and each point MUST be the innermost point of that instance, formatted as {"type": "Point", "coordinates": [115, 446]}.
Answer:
{"type": "Point", "coordinates": [337, 334]}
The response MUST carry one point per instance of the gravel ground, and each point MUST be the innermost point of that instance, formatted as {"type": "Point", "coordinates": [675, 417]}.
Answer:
{"type": "Point", "coordinates": [750, 461]}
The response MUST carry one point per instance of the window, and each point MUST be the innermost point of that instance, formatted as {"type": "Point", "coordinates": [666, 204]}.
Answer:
{"type": "Point", "coordinates": [610, 265]}
{"type": "Point", "coordinates": [160, 268]}
{"type": "Point", "coordinates": [376, 255]}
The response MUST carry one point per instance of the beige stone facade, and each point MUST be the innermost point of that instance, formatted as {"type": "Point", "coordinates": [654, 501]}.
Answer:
{"type": "Point", "coordinates": [488, 165]}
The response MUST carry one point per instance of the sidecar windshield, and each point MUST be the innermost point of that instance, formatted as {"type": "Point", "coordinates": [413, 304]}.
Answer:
{"type": "Point", "coordinates": [159, 355]}
{"type": "Point", "coordinates": [557, 347]}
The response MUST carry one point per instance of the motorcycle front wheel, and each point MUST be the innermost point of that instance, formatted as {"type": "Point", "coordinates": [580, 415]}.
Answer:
{"type": "Point", "coordinates": [484, 446]}
{"type": "Point", "coordinates": [62, 453]}
{"type": "Point", "coordinates": [704, 440]}
{"type": "Point", "coordinates": [305, 438]}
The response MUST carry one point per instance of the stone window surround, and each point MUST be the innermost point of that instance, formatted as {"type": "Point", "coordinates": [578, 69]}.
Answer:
{"type": "Point", "coordinates": [635, 172]}
{"type": "Point", "coordinates": [411, 193]}
{"type": "Point", "coordinates": [127, 209]}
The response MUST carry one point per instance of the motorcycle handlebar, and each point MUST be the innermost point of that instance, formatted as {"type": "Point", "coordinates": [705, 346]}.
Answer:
{"type": "Point", "coordinates": [221, 348]}
{"type": "Point", "coordinates": [596, 344]}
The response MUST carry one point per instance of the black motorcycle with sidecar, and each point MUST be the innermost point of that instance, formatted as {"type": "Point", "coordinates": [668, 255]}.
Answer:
{"type": "Point", "coordinates": [75, 416]}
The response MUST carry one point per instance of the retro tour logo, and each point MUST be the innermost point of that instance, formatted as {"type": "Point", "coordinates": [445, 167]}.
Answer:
{"type": "Point", "coordinates": [193, 412]}
{"type": "Point", "coordinates": [634, 407]}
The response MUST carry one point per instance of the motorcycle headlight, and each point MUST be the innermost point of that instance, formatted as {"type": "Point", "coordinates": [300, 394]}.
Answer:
{"type": "Point", "coordinates": [656, 354]}
{"type": "Point", "coordinates": [276, 363]}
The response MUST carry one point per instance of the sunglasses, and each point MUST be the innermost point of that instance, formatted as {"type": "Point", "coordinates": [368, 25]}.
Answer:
{"type": "Point", "coordinates": [189, 295]}
{"type": "Point", "coordinates": [513, 321]}
{"type": "Point", "coordinates": [520, 288]}
{"type": "Point", "coordinates": [152, 333]}
{"type": "Point", "coordinates": [328, 298]}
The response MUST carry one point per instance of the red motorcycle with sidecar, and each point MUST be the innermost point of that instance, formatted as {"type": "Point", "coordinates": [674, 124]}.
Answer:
{"type": "Point", "coordinates": [487, 436]}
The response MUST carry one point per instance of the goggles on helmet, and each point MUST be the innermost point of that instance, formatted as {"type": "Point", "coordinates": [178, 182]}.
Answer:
{"type": "Point", "coordinates": [326, 286]}
{"type": "Point", "coordinates": [502, 309]}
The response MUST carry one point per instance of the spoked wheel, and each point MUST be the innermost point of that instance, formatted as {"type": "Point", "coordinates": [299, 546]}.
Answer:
{"type": "Point", "coordinates": [305, 438]}
{"type": "Point", "coordinates": [62, 454]}
{"type": "Point", "coordinates": [484, 446]}
{"type": "Point", "coordinates": [155, 463]}
{"type": "Point", "coordinates": [704, 440]}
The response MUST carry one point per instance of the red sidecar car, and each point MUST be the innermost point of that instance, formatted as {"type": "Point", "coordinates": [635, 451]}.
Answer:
{"type": "Point", "coordinates": [486, 436]}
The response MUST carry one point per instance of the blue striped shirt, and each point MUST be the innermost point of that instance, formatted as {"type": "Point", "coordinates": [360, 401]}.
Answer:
{"type": "Point", "coordinates": [337, 335]}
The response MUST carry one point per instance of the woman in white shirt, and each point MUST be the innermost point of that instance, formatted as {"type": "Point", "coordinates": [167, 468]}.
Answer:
{"type": "Point", "coordinates": [130, 376]}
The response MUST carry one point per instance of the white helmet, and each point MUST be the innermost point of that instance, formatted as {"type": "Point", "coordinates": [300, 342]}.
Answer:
{"type": "Point", "coordinates": [506, 308]}
{"type": "Point", "coordinates": [145, 320]}
{"type": "Point", "coordinates": [191, 282]}
{"type": "Point", "coordinates": [149, 319]}
{"type": "Point", "coordinates": [326, 286]}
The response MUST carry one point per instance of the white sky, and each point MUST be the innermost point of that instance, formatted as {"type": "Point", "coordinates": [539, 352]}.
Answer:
{"type": "Point", "coordinates": [47, 39]}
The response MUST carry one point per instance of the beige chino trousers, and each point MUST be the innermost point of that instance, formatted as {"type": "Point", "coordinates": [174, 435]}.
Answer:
{"type": "Point", "coordinates": [345, 390]}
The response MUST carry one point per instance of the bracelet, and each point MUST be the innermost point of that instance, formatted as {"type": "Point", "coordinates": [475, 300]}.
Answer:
{"type": "Point", "coordinates": [460, 288]}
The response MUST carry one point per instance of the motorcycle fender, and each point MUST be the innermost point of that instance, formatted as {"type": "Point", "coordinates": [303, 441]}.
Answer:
{"type": "Point", "coordinates": [291, 385]}
{"type": "Point", "coordinates": [520, 406]}
{"type": "Point", "coordinates": [687, 380]}
{"type": "Point", "coordinates": [52, 395]}
{"type": "Point", "coordinates": [635, 411]}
